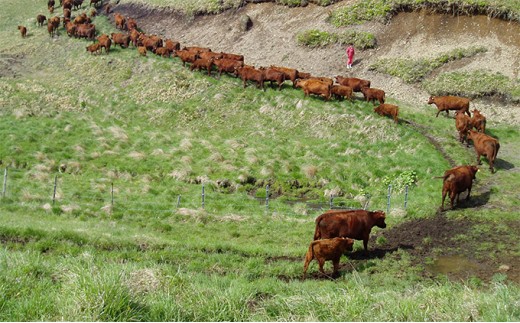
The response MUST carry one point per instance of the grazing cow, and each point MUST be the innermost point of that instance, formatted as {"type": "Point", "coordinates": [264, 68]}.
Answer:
{"type": "Point", "coordinates": [209, 55]}
{"type": "Point", "coordinates": [478, 121]}
{"type": "Point", "coordinates": [105, 42]}
{"type": "Point", "coordinates": [355, 224]}
{"type": "Point", "coordinates": [131, 23]}
{"type": "Point", "coordinates": [186, 56]}
{"type": "Point", "coordinates": [70, 28]}
{"type": "Point", "coordinates": [172, 45]}
{"type": "Point", "coordinates": [463, 124]}
{"type": "Point", "coordinates": [341, 91]}
{"type": "Point", "coordinates": [67, 4]}
{"type": "Point", "coordinates": [312, 86]}
{"type": "Point", "coordinates": [120, 21]}
{"type": "Point", "coordinates": [121, 39]}
{"type": "Point", "coordinates": [303, 75]}
{"type": "Point", "coordinates": [82, 19]}
{"type": "Point", "coordinates": [162, 51]}
{"type": "Point", "coordinates": [484, 145]}
{"type": "Point", "coordinates": [23, 31]}
{"type": "Point", "coordinates": [385, 109]}
{"type": "Point", "coordinates": [141, 50]}
{"type": "Point", "coordinates": [373, 94]}
{"type": "Point", "coordinates": [447, 103]}
{"type": "Point", "coordinates": [150, 42]}
{"type": "Point", "coordinates": [196, 49]}
{"type": "Point", "coordinates": [40, 19]}
{"type": "Point", "coordinates": [202, 63]}
{"type": "Point", "coordinates": [94, 48]}
{"type": "Point", "coordinates": [227, 65]}
{"type": "Point", "coordinates": [67, 14]}
{"type": "Point", "coordinates": [273, 75]}
{"type": "Point", "coordinates": [290, 73]}
{"type": "Point", "coordinates": [457, 180]}
{"type": "Point", "coordinates": [236, 57]}
{"type": "Point", "coordinates": [51, 29]}
{"type": "Point", "coordinates": [76, 4]}
{"type": "Point", "coordinates": [327, 249]}
{"type": "Point", "coordinates": [355, 83]}
{"type": "Point", "coordinates": [134, 37]}
{"type": "Point", "coordinates": [250, 73]}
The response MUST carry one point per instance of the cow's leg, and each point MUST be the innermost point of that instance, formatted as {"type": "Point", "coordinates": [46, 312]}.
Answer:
{"type": "Point", "coordinates": [365, 243]}
{"type": "Point", "coordinates": [452, 198]}
{"type": "Point", "coordinates": [321, 263]}
{"type": "Point", "coordinates": [437, 115]}
{"type": "Point", "coordinates": [335, 265]}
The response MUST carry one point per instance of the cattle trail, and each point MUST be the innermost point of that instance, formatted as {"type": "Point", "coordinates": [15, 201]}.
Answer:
{"type": "Point", "coordinates": [422, 129]}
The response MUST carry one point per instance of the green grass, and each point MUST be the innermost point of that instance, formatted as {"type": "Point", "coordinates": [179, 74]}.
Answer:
{"type": "Point", "coordinates": [317, 38]}
{"type": "Point", "coordinates": [415, 70]}
{"type": "Point", "coordinates": [157, 131]}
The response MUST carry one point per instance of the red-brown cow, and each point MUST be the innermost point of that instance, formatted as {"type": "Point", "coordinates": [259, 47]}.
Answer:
{"type": "Point", "coordinates": [290, 73]}
{"type": "Point", "coordinates": [273, 75]}
{"type": "Point", "coordinates": [478, 121]}
{"type": "Point", "coordinates": [85, 31]}
{"type": "Point", "coordinates": [209, 55]}
{"type": "Point", "coordinates": [449, 102]}
{"type": "Point", "coordinates": [23, 31]}
{"type": "Point", "coordinates": [162, 51]}
{"type": "Point", "coordinates": [311, 86]}
{"type": "Point", "coordinates": [134, 36]}
{"type": "Point", "coordinates": [327, 249]}
{"type": "Point", "coordinates": [172, 45]}
{"type": "Point", "coordinates": [236, 57]}
{"type": "Point", "coordinates": [457, 180]}
{"type": "Point", "coordinates": [121, 39]}
{"type": "Point", "coordinates": [185, 56]}
{"type": "Point", "coordinates": [40, 19]}
{"type": "Point", "coordinates": [373, 94]}
{"type": "Point", "coordinates": [227, 65]}
{"type": "Point", "coordinates": [197, 49]}
{"type": "Point", "coordinates": [105, 42]}
{"type": "Point", "coordinates": [341, 91]}
{"type": "Point", "coordinates": [120, 21]}
{"type": "Point", "coordinates": [250, 73]}
{"type": "Point", "coordinates": [386, 109]}
{"type": "Point", "coordinates": [131, 23]}
{"type": "Point", "coordinates": [94, 48]}
{"type": "Point", "coordinates": [141, 50]}
{"type": "Point", "coordinates": [354, 224]}
{"type": "Point", "coordinates": [355, 83]}
{"type": "Point", "coordinates": [485, 145]}
{"type": "Point", "coordinates": [463, 124]}
{"type": "Point", "coordinates": [70, 28]}
{"type": "Point", "coordinates": [202, 63]}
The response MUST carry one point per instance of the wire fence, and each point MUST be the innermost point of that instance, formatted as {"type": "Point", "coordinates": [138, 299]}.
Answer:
{"type": "Point", "coordinates": [75, 193]}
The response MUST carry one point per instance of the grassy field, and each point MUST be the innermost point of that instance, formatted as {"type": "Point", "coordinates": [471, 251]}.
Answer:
{"type": "Point", "coordinates": [156, 130]}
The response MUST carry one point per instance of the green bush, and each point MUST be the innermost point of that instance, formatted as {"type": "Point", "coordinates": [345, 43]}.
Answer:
{"type": "Point", "coordinates": [317, 38]}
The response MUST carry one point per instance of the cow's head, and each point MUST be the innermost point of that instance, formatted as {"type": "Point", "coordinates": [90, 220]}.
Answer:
{"type": "Point", "coordinates": [431, 100]}
{"type": "Point", "coordinates": [347, 243]}
{"type": "Point", "coordinates": [474, 170]}
{"type": "Point", "coordinates": [379, 218]}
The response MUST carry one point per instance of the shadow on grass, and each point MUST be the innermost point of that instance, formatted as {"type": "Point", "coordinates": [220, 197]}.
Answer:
{"type": "Point", "coordinates": [501, 164]}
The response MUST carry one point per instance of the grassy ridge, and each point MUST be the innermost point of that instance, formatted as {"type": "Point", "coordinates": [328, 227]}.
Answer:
{"type": "Point", "coordinates": [156, 129]}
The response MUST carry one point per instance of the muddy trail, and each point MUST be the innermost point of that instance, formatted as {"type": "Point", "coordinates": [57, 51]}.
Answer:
{"type": "Point", "coordinates": [458, 248]}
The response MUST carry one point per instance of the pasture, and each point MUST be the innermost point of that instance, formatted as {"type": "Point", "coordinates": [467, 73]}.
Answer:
{"type": "Point", "coordinates": [156, 130]}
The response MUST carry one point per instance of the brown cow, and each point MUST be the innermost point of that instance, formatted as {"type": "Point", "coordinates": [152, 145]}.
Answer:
{"type": "Point", "coordinates": [67, 14]}
{"type": "Point", "coordinates": [51, 29]}
{"type": "Point", "coordinates": [311, 86]}
{"type": "Point", "coordinates": [209, 55]}
{"type": "Point", "coordinates": [341, 91]}
{"type": "Point", "coordinates": [447, 103]}
{"type": "Point", "coordinates": [40, 19]}
{"type": "Point", "coordinates": [186, 56]}
{"type": "Point", "coordinates": [76, 4]}
{"type": "Point", "coordinates": [70, 28]}
{"type": "Point", "coordinates": [121, 39]}
{"type": "Point", "coordinates": [235, 57]}
{"type": "Point", "coordinates": [327, 249]}
{"type": "Point", "coordinates": [355, 83]}
{"type": "Point", "coordinates": [85, 31]}
{"type": "Point", "coordinates": [463, 124]}
{"type": "Point", "coordinates": [134, 36]}
{"type": "Point", "coordinates": [227, 65]}
{"type": "Point", "coordinates": [485, 145]}
{"type": "Point", "coordinates": [373, 94]}
{"type": "Point", "coordinates": [196, 49]}
{"type": "Point", "coordinates": [172, 45]}
{"type": "Point", "coordinates": [290, 73]}
{"type": "Point", "coordinates": [23, 31]}
{"type": "Point", "coordinates": [386, 109]}
{"type": "Point", "coordinates": [202, 63]}
{"type": "Point", "coordinates": [457, 180]}
{"type": "Point", "coordinates": [120, 21]}
{"type": "Point", "coordinates": [162, 51]}
{"type": "Point", "coordinates": [250, 73]}
{"type": "Point", "coordinates": [94, 48]}
{"type": "Point", "coordinates": [355, 224]}
{"type": "Point", "coordinates": [82, 19]}
{"type": "Point", "coordinates": [273, 75]}
{"type": "Point", "coordinates": [67, 4]}
{"type": "Point", "coordinates": [478, 121]}
{"type": "Point", "coordinates": [141, 50]}
{"type": "Point", "coordinates": [131, 23]}
{"type": "Point", "coordinates": [105, 42]}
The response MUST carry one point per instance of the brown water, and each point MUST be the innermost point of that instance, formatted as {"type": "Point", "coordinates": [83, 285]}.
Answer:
{"type": "Point", "coordinates": [454, 264]}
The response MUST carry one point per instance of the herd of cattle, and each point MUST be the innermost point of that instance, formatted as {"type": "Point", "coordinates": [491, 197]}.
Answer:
{"type": "Point", "coordinates": [335, 229]}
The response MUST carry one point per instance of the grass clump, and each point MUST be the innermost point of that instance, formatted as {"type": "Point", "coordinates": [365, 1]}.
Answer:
{"type": "Point", "coordinates": [317, 38]}
{"type": "Point", "coordinates": [475, 84]}
{"type": "Point", "coordinates": [360, 12]}
{"type": "Point", "coordinates": [415, 70]}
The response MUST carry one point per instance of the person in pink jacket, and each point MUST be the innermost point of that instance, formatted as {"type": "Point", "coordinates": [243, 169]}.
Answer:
{"type": "Point", "coordinates": [350, 55]}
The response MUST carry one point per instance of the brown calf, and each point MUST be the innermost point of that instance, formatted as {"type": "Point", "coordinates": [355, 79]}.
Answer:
{"type": "Point", "coordinates": [485, 145]}
{"type": "Point", "coordinates": [447, 103]}
{"type": "Point", "coordinates": [386, 109]}
{"type": "Point", "coordinates": [327, 249]}
{"type": "Point", "coordinates": [23, 31]}
{"type": "Point", "coordinates": [373, 94]}
{"type": "Point", "coordinates": [457, 180]}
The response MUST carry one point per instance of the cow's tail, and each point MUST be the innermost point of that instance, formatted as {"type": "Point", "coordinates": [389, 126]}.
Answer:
{"type": "Point", "coordinates": [317, 232]}
{"type": "Point", "coordinates": [496, 151]}
{"type": "Point", "coordinates": [308, 258]}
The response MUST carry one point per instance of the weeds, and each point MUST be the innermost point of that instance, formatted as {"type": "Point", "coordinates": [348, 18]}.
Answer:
{"type": "Point", "coordinates": [317, 38]}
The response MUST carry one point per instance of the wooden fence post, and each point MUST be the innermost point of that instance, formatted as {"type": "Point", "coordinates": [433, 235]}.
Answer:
{"type": "Point", "coordinates": [55, 186]}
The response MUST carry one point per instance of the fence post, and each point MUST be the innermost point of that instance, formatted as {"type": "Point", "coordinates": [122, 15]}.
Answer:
{"type": "Point", "coordinates": [330, 201]}
{"type": "Point", "coordinates": [5, 183]}
{"type": "Point", "coordinates": [202, 195]}
{"type": "Point", "coordinates": [367, 201]}
{"type": "Point", "coordinates": [112, 193]}
{"type": "Point", "coordinates": [55, 185]}
{"type": "Point", "coordinates": [388, 198]}
{"type": "Point", "coordinates": [178, 201]}
{"type": "Point", "coordinates": [405, 196]}
{"type": "Point", "coordinates": [267, 197]}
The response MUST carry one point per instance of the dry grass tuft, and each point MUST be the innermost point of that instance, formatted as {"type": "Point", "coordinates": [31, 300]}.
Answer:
{"type": "Point", "coordinates": [144, 281]}
{"type": "Point", "coordinates": [310, 171]}
{"type": "Point", "coordinates": [118, 133]}
{"type": "Point", "coordinates": [70, 208]}
{"type": "Point", "coordinates": [136, 155]}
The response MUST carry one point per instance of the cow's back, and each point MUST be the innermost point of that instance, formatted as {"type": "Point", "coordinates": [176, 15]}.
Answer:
{"type": "Point", "coordinates": [341, 223]}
